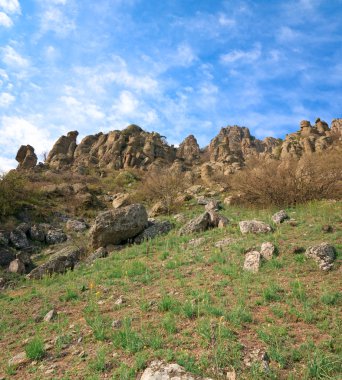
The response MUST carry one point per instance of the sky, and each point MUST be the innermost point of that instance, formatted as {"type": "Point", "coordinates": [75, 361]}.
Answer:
{"type": "Point", "coordinates": [177, 67]}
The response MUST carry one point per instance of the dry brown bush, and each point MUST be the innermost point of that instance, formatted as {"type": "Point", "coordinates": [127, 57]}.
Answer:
{"type": "Point", "coordinates": [286, 183]}
{"type": "Point", "coordinates": [161, 184]}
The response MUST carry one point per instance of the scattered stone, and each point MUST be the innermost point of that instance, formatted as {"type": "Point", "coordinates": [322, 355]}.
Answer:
{"type": "Point", "coordinates": [158, 370]}
{"type": "Point", "coordinates": [18, 360]}
{"type": "Point", "coordinates": [19, 239]}
{"type": "Point", "coordinates": [155, 229]}
{"type": "Point", "coordinates": [50, 315]}
{"type": "Point", "coordinates": [280, 216]}
{"type": "Point", "coordinates": [55, 236]}
{"type": "Point", "coordinates": [202, 200]}
{"type": "Point", "coordinates": [217, 220]}
{"type": "Point", "coordinates": [7, 255]}
{"type": "Point", "coordinates": [196, 242]}
{"type": "Point", "coordinates": [224, 242]}
{"type": "Point", "coordinates": [37, 233]}
{"type": "Point", "coordinates": [60, 262]}
{"type": "Point", "coordinates": [17, 266]}
{"type": "Point", "coordinates": [327, 228]}
{"type": "Point", "coordinates": [116, 324]}
{"type": "Point", "coordinates": [323, 254]}
{"type": "Point", "coordinates": [199, 224]}
{"type": "Point", "coordinates": [254, 226]}
{"type": "Point", "coordinates": [100, 253]}
{"type": "Point", "coordinates": [252, 261]}
{"type": "Point", "coordinates": [195, 189]}
{"type": "Point", "coordinates": [267, 250]}
{"type": "Point", "coordinates": [158, 209]}
{"type": "Point", "coordinates": [118, 225]}
{"type": "Point", "coordinates": [180, 218]}
{"type": "Point", "coordinates": [121, 300]}
{"type": "Point", "coordinates": [257, 355]}
{"type": "Point", "coordinates": [76, 225]}
{"type": "Point", "coordinates": [120, 200]}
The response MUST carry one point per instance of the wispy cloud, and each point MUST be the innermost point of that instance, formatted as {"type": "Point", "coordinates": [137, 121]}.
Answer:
{"type": "Point", "coordinates": [13, 59]}
{"type": "Point", "coordinates": [6, 99]}
{"type": "Point", "coordinates": [5, 20]}
{"type": "Point", "coordinates": [241, 56]}
{"type": "Point", "coordinates": [10, 6]}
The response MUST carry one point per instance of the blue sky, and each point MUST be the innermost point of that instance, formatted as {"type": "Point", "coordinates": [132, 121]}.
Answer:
{"type": "Point", "coordinates": [178, 67]}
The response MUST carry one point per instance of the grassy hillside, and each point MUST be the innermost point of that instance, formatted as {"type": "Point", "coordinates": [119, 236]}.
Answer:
{"type": "Point", "coordinates": [190, 304]}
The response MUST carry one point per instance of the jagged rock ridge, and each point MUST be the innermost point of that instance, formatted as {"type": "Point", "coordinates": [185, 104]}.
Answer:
{"type": "Point", "coordinates": [135, 148]}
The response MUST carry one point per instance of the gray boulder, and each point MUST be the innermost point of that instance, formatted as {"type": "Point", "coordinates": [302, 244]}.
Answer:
{"type": "Point", "coordinates": [76, 225]}
{"type": "Point", "coordinates": [153, 230]}
{"type": "Point", "coordinates": [100, 253]}
{"type": "Point", "coordinates": [254, 226]}
{"type": "Point", "coordinates": [217, 220]}
{"type": "Point", "coordinates": [280, 216]}
{"type": "Point", "coordinates": [158, 370]}
{"type": "Point", "coordinates": [37, 232]}
{"type": "Point", "coordinates": [199, 224]}
{"type": "Point", "coordinates": [323, 254]}
{"type": "Point", "coordinates": [60, 262]}
{"type": "Point", "coordinates": [118, 225]}
{"type": "Point", "coordinates": [7, 255]}
{"type": "Point", "coordinates": [19, 239]}
{"type": "Point", "coordinates": [55, 236]}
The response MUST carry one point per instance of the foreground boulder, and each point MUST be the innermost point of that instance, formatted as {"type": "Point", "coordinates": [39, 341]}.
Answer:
{"type": "Point", "coordinates": [118, 225]}
{"type": "Point", "coordinates": [153, 230]}
{"type": "Point", "coordinates": [323, 254]}
{"type": "Point", "coordinates": [159, 370]}
{"type": "Point", "coordinates": [60, 262]}
{"type": "Point", "coordinates": [254, 226]}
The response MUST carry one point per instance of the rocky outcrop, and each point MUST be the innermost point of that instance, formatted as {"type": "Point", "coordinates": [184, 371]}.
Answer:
{"type": "Point", "coordinates": [189, 150]}
{"type": "Point", "coordinates": [117, 226]}
{"type": "Point", "coordinates": [26, 157]}
{"type": "Point", "coordinates": [62, 153]}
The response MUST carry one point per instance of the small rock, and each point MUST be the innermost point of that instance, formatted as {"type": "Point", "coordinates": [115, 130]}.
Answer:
{"type": "Point", "coordinates": [18, 359]}
{"type": "Point", "coordinates": [120, 200]}
{"type": "Point", "coordinates": [196, 242]}
{"type": "Point", "coordinates": [180, 218]}
{"type": "Point", "coordinates": [212, 205]}
{"type": "Point", "coordinates": [100, 253]}
{"type": "Point", "coordinates": [267, 250]}
{"type": "Point", "coordinates": [252, 261]}
{"type": "Point", "coordinates": [217, 220]}
{"type": "Point", "coordinates": [224, 242]}
{"type": "Point", "coordinates": [231, 375]}
{"type": "Point", "coordinates": [50, 315]}
{"type": "Point", "coordinates": [158, 209]}
{"type": "Point", "coordinates": [116, 324]}
{"type": "Point", "coordinates": [198, 224]}
{"type": "Point", "coordinates": [76, 225]}
{"type": "Point", "coordinates": [323, 254]}
{"type": "Point", "coordinates": [280, 216]}
{"type": "Point", "coordinates": [327, 228]}
{"type": "Point", "coordinates": [254, 226]}
{"type": "Point", "coordinates": [55, 236]}
{"type": "Point", "coordinates": [17, 266]}
{"type": "Point", "coordinates": [120, 301]}
{"type": "Point", "coordinates": [153, 230]}
{"type": "Point", "coordinates": [257, 356]}
{"type": "Point", "coordinates": [296, 250]}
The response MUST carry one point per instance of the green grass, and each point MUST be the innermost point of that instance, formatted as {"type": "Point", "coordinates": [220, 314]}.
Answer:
{"type": "Point", "coordinates": [35, 349]}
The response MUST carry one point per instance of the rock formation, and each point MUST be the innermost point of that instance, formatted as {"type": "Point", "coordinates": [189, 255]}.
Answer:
{"type": "Point", "coordinates": [62, 153]}
{"type": "Point", "coordinates": [189, 150]}
{"type": "Point", "coordinates": [26, 157]}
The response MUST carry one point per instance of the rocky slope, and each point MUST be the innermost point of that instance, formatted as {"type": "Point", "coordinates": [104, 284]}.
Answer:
{"type": "Point", "coordinates": [134, 148]}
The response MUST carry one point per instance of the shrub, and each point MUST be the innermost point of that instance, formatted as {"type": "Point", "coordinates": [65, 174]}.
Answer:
{"type": "Point", "coordinates": [14, 193]}
{"type": "Point", "coordinates": [286, 183]}
{"type": "Point", "coordinates": [162, 184]}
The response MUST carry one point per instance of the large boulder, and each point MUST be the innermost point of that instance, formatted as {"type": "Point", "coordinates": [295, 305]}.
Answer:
{"type": "Point", "coordinates": [158, 370]}
{"type": "Point", "coordinates": [323, 254]}
{"type": "Point", "coordinates": [26, 157]}
{"type": "Point", "coordinates": [199, 224]}
{"type": "Point", "coordinates": [254, 226]}
{"type": "Point", "coordinates": [153, 230]}
{"type": "Point", "coordinates": [118, 225]}
{"type": "Point", "coordinates": [60, 262]}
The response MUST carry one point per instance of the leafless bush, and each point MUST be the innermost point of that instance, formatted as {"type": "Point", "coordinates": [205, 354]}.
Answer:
{"type": "Point", "coordinates": [162, 184]}
{"type": "Point", "coordinates": [284, 183]}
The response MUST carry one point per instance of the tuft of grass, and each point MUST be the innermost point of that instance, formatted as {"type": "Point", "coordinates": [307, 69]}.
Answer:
{"type": "Point", "coordinates": [331, 298]}
{"type": "Point", "coordinates": [35, 349]}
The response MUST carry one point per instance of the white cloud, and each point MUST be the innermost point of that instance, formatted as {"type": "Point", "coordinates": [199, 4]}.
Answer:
{"type": "Point", "coordinates": [16, 131]}
{"type": "Point", "coordinates": [127, 103]}
{"type": "Point", "coordinates": [13, 59]}
{"type": "Point", "coordinates": [185, 56]}
{"type": "Point", "coordinates": [6, 164]}
{"type": "Point", "coordinates": [5, 20]}
{"type": "Point", "coordinates": [10, 6]}
{"type": "Point", "coordinates": [6, 99]}
{"type": "Point", "coordinates": [241, 55]}
{"type": "Point", "coordinates": [55, 20]}
{"type": "Point", "coordinates": [226, 21]}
